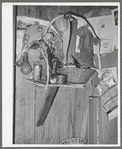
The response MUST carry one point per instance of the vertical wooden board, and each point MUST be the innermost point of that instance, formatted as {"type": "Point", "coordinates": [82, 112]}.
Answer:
{"type": "Point", "coordinates": [78, 111]}
{"type": "Point", "coordinates": [44, 134]}
{"type": "Point", "coordinates": [91, 121]}
{"type": "Point", "coordinates": [112, 128]}
{"type": "Point", "coordinates": [81, 110]}
{"type": "Point", "coordinates": [104, 121]}
{"type": "Point", "coordinates": [50, 126]}
{"type": "Point", "coordinates": [87, 91]}
{"type": "Point", "coordinates": [58, 125]}
{"type": "Point", "coordinates": [91, 91]}
{"type": "Point", "coordinates": [57, 111]}
{"type": "Point", "coordinates": [62, 124]}
{"type": "Point", "coordinates": [39, 103]}
{"type": "Point", "coordinates": [18, 82]}
{"type": "Point", "coordinates": [24, 116]}
{"type": "Point", "coordinates": [95, 125]}
{"type": "Point", "coordinates": [16, 111]}
{"type": "Point", "coordinates": [46, 129]}
{"type": "Point", "coordinates": [55, 118]}
{"type": "Point", "coordinates": [71, 124]}
{"type": "Point", "coordinates": [66, 96]}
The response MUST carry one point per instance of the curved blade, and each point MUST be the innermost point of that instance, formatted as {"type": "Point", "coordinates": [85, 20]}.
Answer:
{"type": "Point", "coordinates": [50, 95]}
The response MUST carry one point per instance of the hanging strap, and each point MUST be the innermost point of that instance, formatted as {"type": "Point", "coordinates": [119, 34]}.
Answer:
{"type": "Point", "coordinates": [66, 39]}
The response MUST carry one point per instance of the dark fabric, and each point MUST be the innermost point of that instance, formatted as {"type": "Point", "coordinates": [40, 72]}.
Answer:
{"type": "Point", "coordinates": [109, 59]}
{"type": "Point", "coordinates": [85, 46]}
{"type": "Point", "coordinates": [72, 44]}
{"type": "Point", "coordinates": [95, 81]}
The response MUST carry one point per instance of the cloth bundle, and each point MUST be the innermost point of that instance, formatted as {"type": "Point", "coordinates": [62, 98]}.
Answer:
{"type": "Point", "coordinates": [85, 46]}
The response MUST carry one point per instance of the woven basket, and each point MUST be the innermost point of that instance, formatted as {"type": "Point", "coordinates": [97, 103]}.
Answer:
{"type": "Point", "coordinates": [76, 75]}
{"type": "Point", "coordinates": [75, 141]}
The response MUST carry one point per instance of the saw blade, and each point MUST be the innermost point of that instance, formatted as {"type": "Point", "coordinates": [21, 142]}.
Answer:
{"type": "Point", "coordinates": [50, 96]}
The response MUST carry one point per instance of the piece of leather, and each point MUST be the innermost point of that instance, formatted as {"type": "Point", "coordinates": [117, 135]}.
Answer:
{"type": "Point", "coordinates": [50, 96]}
{"type": "Point", "coordinates": [66, 39]}
{"type": "Point", "coordinates": [72, 44]}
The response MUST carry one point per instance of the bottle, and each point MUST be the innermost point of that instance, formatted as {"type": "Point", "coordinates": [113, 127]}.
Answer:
{"type": "Point", "coordinates": [26, 68]}
{"type": "Point", "coordinates": [37, 71]}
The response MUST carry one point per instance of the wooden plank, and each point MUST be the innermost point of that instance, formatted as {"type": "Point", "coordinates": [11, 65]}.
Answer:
{"type": "Point", "coordinates": [24, 116]}
{"type": "Point", "coordinates": [95, 121]}
{"type": "Point", "coordinates": [112, 135]}
{"type": "Point", "coordinates": [39, 132]}
{"type": "Point", "coordinates": [80, 114]}
{"type": "Point", "coordinates": [91, 124]}
{"type": "Point", "coordinates": [45, 133]}
{"type": "Point", "coordinates": [104, 118]}
{"type": "Point", "coordinates": [66, 118]}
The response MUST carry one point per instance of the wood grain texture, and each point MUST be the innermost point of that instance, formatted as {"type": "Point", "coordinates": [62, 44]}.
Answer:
{"type": "Point", "coordinates": [109, 128]}
{"type": "Point", "coordinates": [67, 117]}
{"type": "Point", "coordinates": [39, 132]}
{"type": "Point", "coordinates": [49, 98]}
{"type": "Point", "coordinates": [24, 116]}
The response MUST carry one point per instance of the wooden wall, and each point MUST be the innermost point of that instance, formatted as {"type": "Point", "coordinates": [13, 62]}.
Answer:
{"type": "Point", "coordinates": [49, 12]}
{"type": "Point", "coordinates": [67, 117]}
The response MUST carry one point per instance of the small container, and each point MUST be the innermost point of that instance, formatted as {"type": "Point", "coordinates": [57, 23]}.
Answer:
{"type": "Point", "coordinates": [37, 71]}
{"type": "Point", "coordinates": [58, 79]}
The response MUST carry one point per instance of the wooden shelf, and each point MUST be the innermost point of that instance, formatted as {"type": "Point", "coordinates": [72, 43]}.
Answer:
{"type": "Point", "coordinates": [61, 85]}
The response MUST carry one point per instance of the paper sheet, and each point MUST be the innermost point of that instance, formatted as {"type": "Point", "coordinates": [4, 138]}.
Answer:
{"type": "Point", "coordinates": [104, 28]}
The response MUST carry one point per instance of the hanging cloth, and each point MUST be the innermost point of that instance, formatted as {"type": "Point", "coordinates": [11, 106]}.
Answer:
{"type": "Point", "coordinates": [85, 46]}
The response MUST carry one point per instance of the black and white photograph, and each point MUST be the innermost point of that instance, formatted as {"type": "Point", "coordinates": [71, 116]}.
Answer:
{"type": "Point", "coordinates": [64, 74]}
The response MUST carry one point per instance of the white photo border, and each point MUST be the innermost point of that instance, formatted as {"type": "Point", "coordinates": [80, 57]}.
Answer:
{"type": "Point", "coordinates": [7, 71]}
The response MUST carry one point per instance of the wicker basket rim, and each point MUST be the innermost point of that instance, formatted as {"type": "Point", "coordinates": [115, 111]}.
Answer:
{"type": "Point", "coordinates": [73, 139]}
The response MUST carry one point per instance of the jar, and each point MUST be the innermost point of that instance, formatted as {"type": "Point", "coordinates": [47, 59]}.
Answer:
{"type": "Point", "coordinates": [37, 71]}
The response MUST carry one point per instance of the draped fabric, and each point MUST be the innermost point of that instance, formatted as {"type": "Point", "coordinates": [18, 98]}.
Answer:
{"type": "Point", "coordinates": [85, 46]}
